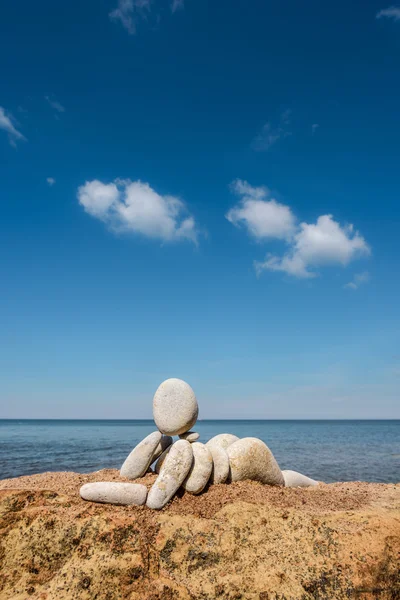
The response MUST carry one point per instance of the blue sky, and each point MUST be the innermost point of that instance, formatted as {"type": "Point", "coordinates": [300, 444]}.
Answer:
{"type": "Point", "coordinates": [203, 190]}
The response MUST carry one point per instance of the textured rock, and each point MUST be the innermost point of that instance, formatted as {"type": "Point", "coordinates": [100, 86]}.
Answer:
{"type": "Point", "coordinates": [223, 440]}
{"type": "Point", "coordinates": [111, 492]}
{"type": "Point", "coordinates": [220, 471]}
{"type": "Point", "coordinates": [200, 471]}
{"type": "Point", "coordinates": [190, 436]}
{"type": "Point", "coordinates": [139, 460]}
{"type": "Point", "coordinates": [175, 408]}
{"type": "Point", "coordinates": [173, 473]}
{"type": "Point", "coordinates": [250, 458]}
{"type": "Point", "coordinates": [295, 479]}
{"type": "Point", "coordinates": [165, 442]}
{"type": "Point", "coordinates": [161, 459]}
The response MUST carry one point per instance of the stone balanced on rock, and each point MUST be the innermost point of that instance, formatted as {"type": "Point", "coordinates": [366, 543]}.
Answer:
{"type": "Point", "coordinates": [187, 463]}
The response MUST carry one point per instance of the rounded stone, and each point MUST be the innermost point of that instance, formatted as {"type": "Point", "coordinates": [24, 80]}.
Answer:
{"type": "Point", "coordinates": [250, 458]}
{"type": "Point", "coordinates": [165, 441]}
{"type": "Point", "coordinates": [220, 470]}
{"type": "Point", "coordinates": [139, 460]}
{"type": "Point", "coordinates": [200, 471]}
{"type": "Point", "coordinates": [175, 407]}
{"type": "Point", "coordinates": [295, 479]}
{"type": "Point", "coordinates": [161, 459]}
{"type": "Point", "coordinates": [223, 440]}
{"type": "Point", "coordinates": [190, 436]}
{"type": "Point", "coordinates": [173, 473]}
{"type": "Point", "coordinates": [111, 492]}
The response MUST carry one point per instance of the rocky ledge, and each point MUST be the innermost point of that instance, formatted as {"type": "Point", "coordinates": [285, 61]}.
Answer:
{"type": "Point", "coordinates": [245, 540]}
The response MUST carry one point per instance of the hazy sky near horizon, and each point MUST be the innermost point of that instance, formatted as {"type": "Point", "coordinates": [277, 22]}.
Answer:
{"type": "Point", "coordinates": [204, 190]}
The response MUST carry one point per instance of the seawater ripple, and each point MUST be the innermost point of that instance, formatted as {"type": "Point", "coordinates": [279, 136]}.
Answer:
{"type": "Point", "coordinates": [324, 450]}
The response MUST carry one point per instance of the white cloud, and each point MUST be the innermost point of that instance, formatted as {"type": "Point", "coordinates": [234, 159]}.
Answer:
{"type": "Point", "coordinates": [313, 246]}
{"type": "Point", "coordinates": [393, 12]}
{"type": "Point", "coordinates": [270, 134]}
{"type": "Point", "coordinates": [310, 246]}
{"type": "Point", "coordinates": [54, 104]}
{"type": "Point", "coordinates": [177, 5]}
{"type": "Point", "coordinates": [262, 215]}
{"type": "Point", "coordinates": [51, 181]}
{"type": "Point", "coordinates": [358, 279]}
{"type": "Point", "coordinates": [133, 206]}
{"type": "Point", "coordinates": [128, 11]}
{"type": "Point", "coordinates": [7, 125]}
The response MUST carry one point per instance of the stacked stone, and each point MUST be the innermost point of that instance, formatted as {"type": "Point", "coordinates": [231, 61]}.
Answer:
{"type": "Point", "coordinates": [188, 463]}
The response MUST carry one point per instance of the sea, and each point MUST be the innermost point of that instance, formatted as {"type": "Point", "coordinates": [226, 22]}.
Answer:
{"type": "Point", "coordinates": [325, 450]}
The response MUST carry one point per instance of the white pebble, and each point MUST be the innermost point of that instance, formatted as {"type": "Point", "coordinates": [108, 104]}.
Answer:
{"type": "Point", "coordinates": [200, 471]}
{"type": "Point", "coordinates": [295, 479]}
{"type": "Point", "coordinates": [139, 460]}
{"type": "Point", "coordinates": [173, 473]}
{"type": "Point", "coordinates": [110, 492]}
{"type": "Point", "coordinates": [175, 407]}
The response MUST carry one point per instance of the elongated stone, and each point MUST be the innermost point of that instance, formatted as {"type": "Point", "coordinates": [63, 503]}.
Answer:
{"type": "Point", "coordinates": [165, 441]}
{"type": "Point", "coordinates": [161, 459]}
{"type": "Point", "coordinates": [139, 460]}
{"type": "Point", "coordinates": [190, 436]}
{"type": "Point", "coordinates": [295, 479]}
{"type": "Point", "coordinates": [200, 471]}
{"type": "Point", "coordinates": [175, 407]}
{"type": "Point", "coordinates": [173, 473]}
{"type": "Point", "coordinates": [223, 440]}
{"type": "Point", "coordinates": [250, 458]}
{"type": "Point", "coordinates": [220, 471]}
{"type": "Point", "coordinates": [111, 492]}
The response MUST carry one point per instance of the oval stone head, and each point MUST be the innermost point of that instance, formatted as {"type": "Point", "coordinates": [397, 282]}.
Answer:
{"type": "Point", "coordinates": [175, 407]}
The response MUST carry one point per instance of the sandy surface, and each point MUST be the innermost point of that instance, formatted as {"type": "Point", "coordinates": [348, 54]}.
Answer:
{"type": "Point", "coordinates": [243, 540]}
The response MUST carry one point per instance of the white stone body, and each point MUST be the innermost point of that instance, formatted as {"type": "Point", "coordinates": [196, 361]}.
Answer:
{"type": "Point", "coordinates": [223, 440]}
{"type": "Point", "coordinates": [220, 471]}
{"type": "Point", "coordinates": [161, 459]}
{"type": "Point", "coordinates": [111, 492]}
{"type": "Point", "coordinates": [165, 441]}
{"type": "Point", "coordinates": [175, 407]}
{"type": "Point", "coordinates": [190, 436]}
{"type": "Point", "coordinates": [201, 469]}
{"type": "Point", "coordinates": [173, 473]}
{"type": "Point", "coordinates": [139, 460]}
{"type": "Point", "coordinates": [250, 458]}
{"type": "Point", "coordinates": [295, 479]}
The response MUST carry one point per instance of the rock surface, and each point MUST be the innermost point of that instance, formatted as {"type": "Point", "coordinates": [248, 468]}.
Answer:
{"type": "Point", "coordinates": [161, 459]}
{"type": "Point", "coordinates": [109, 492]}
{"type": "Point", "coordinates": [200, 471]}
{"type": "Point", "coordinates": [165, 442]}
{"type": "Point", "coordinates": [173, 473]}
{"type": "Point", "coordinates": [250, 458]}
{"type": "Point", "coordinates": [223, 440]}
{"type": "Point", "coordinates": [295, 479]}
{"type": "Point", "coordinates": [139, 460]}
{"type": "Point", "coordinates": [220, 471]}
{"type": "Point", "coordinates": [190, 436]}
{"type": "Point", "coordinates": [244, 541]}
{"type": "Point", "coordinates": [175, 407]}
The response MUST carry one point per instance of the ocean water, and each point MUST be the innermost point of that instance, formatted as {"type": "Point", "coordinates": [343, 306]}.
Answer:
{"type": "Point", "coordinates": [325, 450]}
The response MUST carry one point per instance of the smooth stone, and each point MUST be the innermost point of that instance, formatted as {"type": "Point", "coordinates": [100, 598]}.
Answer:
{"type": "Point", "coordinates": [250, 458]}
{"type": "Point", "coordinates": [175, 407]}
{"type": "Point", "coordinates": [139, 460]}
{"type": "Point", "coordinates": [173, 473]}
{"type": "Point", "coordinates": [223, 440]}
{"type": "Point", "coordinates": [220, 471]}
{"type": "Point", "coordinates": [166, 441]}
{"type": "Point", "coordinates": [160, 461]}
{"type": "Point", "coordinates": [111, 492]}
{"type": "Point", "coordinates": [190, 436]}
{"type": "Point", "coordinates": [295, 479]}
{"type": "Point", "coordinates": [201, 469]}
